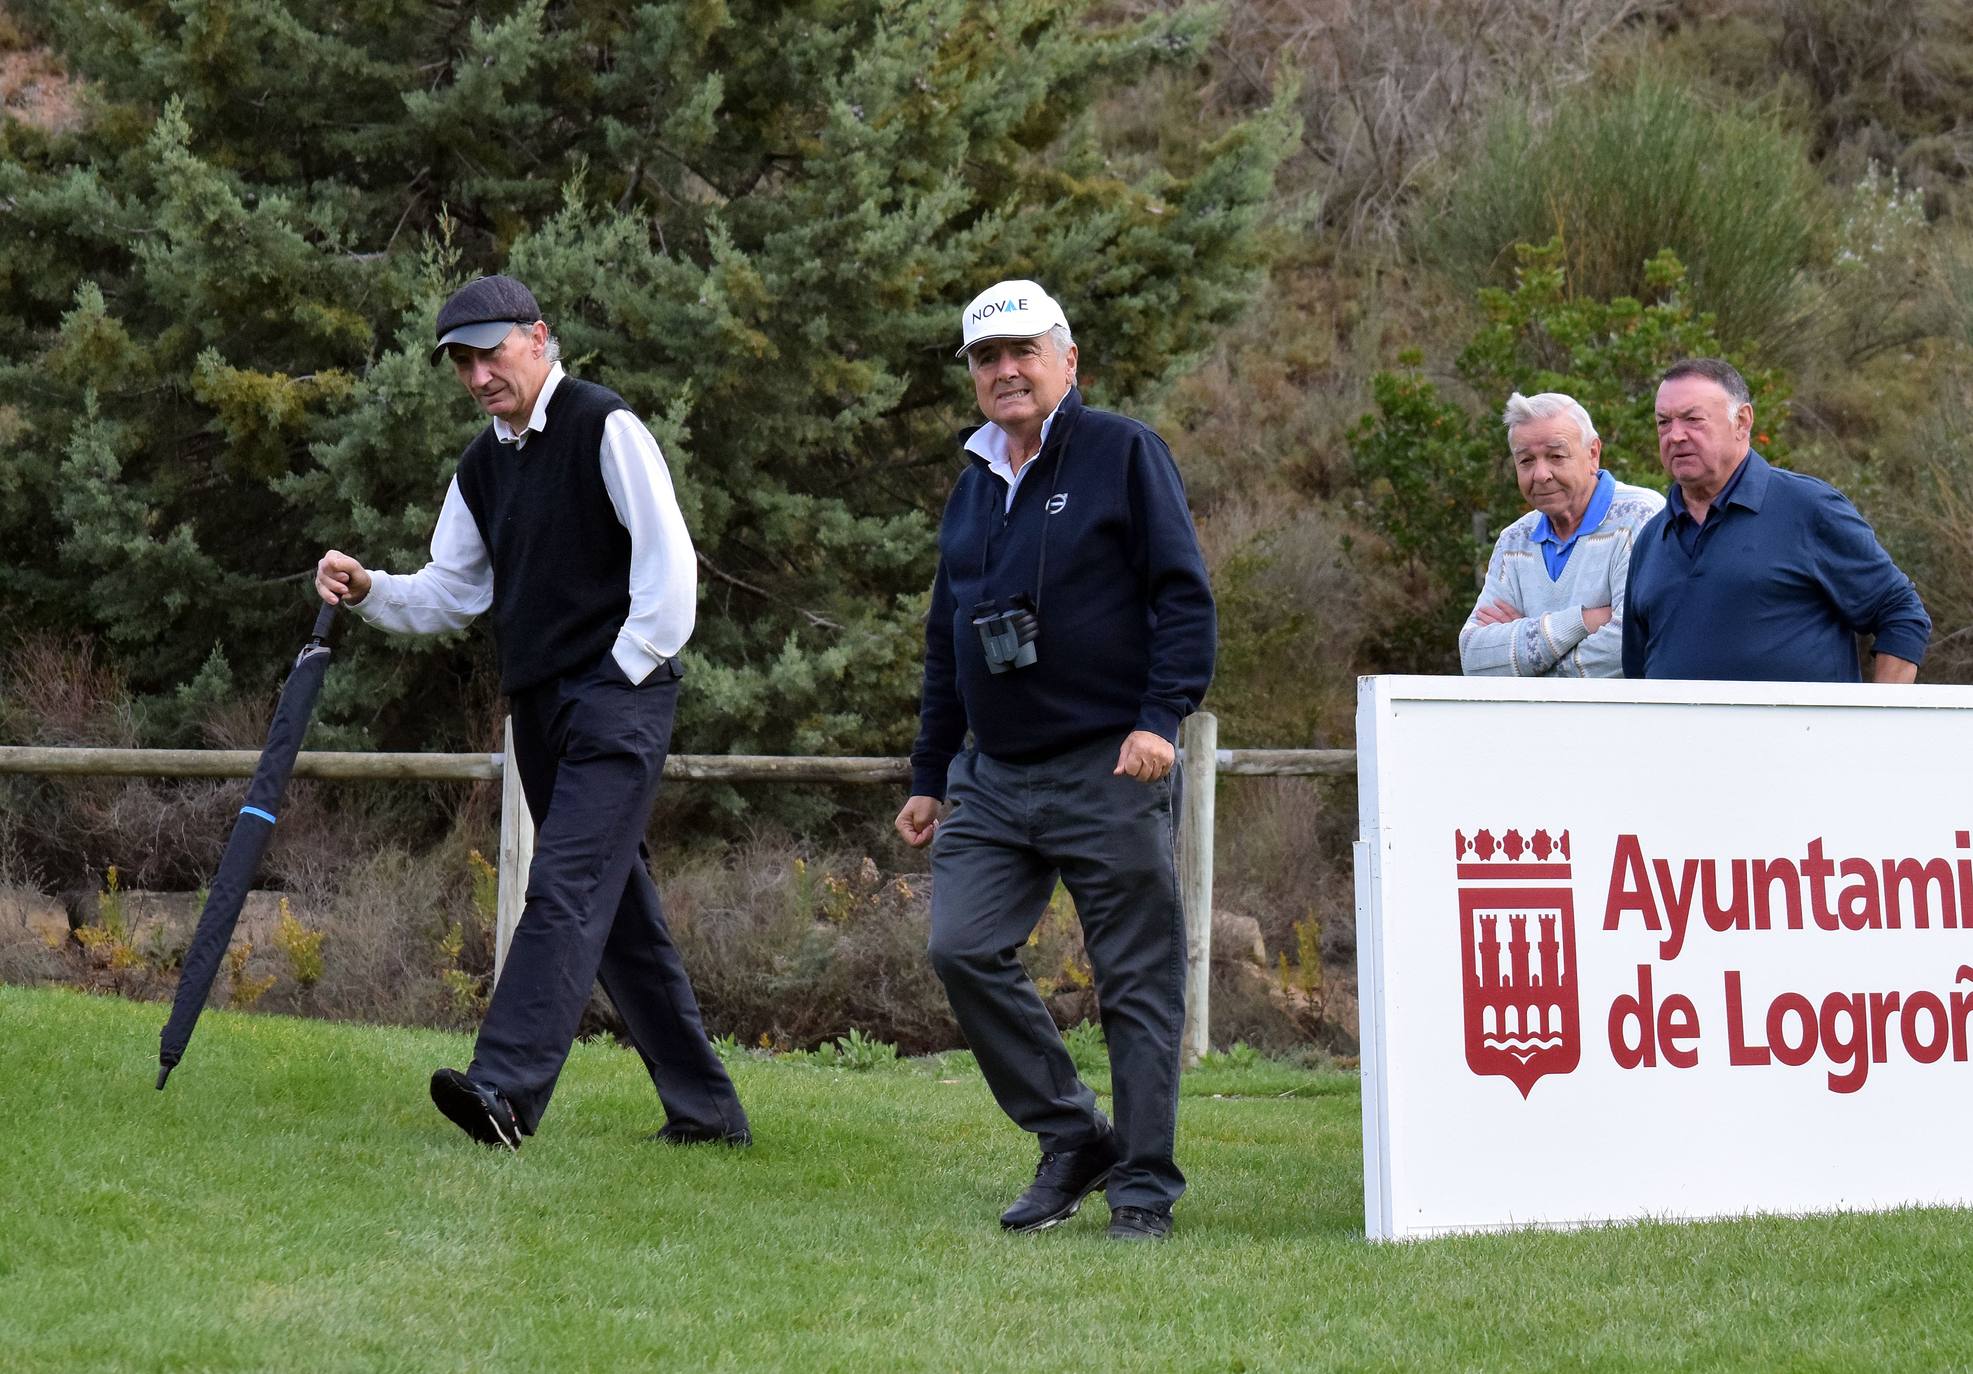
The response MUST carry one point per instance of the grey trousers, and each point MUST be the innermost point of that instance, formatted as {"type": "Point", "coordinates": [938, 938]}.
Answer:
{"type": "Point", "coordinates": [1010, 831]}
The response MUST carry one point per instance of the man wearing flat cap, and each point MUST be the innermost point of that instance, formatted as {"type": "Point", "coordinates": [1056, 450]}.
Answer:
{"type": "Point", "coordinates": [1071, 630]}
{"type": "Point", "coordinates": [562, 523]}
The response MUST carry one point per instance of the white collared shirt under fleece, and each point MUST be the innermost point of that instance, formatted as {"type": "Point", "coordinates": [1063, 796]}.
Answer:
{"type": "Point", "coordinates": [457, 585]}
{"type": "Point", "coordinates": [993, 443]}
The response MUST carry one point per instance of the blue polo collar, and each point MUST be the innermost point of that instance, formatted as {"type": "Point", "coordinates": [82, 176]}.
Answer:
{"type": "Point", "coordinates": [1747, 487]}
{"type": "Point", "coordinates": [1555, 552]}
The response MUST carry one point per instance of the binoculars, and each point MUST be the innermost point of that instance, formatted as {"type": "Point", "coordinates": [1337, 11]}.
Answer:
{"type": "Point", "coordinates": [1007, 630]}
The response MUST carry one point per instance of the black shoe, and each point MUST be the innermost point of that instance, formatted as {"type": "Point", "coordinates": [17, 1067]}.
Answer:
{"type": "Point", "coordinates": [677, 1133]}
{"type": "Point", "coordinates": [1061, 1181]}
{"type": "Point", "coordinates": [478, 1110]}
{"type": "Point", "coordinates": [1139, 1223]}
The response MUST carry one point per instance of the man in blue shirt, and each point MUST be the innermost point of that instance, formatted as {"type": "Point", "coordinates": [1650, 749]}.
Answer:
{"type": "Point", "coordinates": [1752, 572]}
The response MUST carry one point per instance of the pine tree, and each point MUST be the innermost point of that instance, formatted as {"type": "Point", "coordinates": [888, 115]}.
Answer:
{"type": "Point", "coordinates": [755, 221]}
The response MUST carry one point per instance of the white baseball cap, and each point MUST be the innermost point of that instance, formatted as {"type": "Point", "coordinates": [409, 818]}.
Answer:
{"type": "Point", "coordinates": [1017, 309]}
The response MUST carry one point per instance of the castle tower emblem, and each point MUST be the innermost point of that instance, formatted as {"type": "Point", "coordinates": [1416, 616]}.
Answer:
{"type": "Point", "coordinates": [1517, 930]}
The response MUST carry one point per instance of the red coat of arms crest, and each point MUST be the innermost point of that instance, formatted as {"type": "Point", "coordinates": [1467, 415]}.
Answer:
{"type": "Point", "coordinates": [1517, 930]}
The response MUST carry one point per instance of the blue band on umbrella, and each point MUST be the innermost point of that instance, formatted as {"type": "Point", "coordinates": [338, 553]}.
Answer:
{"type": "Point", "coordinates": [256, 811]}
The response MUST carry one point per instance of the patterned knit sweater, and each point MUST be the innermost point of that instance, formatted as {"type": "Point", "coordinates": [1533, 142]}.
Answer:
{"type": "Point", "coordinates": [1550, 640]}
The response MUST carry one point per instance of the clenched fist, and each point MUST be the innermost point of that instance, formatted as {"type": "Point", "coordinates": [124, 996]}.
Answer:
{"type": "Point", "coordinates": [917, 822]}
{"type": "Point", "coordinates": [340, 578]}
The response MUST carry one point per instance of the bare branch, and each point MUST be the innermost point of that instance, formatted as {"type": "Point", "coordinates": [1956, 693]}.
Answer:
{"type": "Point", "coordinates": [821, 622]}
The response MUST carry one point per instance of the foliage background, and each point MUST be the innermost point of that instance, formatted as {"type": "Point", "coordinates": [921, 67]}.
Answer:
{"type": "Point", "coordinates": [1314, 241]}
{"type": "Point", "coordinates": [754, 221]}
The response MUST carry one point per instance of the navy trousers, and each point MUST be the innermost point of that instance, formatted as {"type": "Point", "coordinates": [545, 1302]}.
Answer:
{"type": "Point", "coordinates": [1009, 832]}
{"type": "Point", "coordinates": [590, 748]}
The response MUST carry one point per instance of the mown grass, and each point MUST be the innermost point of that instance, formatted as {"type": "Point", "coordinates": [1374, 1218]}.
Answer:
{"type": "Point", "coordinates": [292, 1202]}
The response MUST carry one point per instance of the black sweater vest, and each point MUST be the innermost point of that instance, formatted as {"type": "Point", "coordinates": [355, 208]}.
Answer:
{"type": "Point", "coordinates": [561, 558]}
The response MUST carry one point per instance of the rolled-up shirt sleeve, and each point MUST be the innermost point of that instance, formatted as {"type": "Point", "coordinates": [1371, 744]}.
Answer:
{"type": "Point", "coordinates": [664, 570]}
{"type": "Point", "coordinates": [449, 592]}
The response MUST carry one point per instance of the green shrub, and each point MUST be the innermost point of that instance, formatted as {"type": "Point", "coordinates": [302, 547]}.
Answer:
{"type": "Point", "coordinates": [729, 1049]}
{"type": "Point", "coordinates": [860, 1054]}
{"type": "Point", "coordinates": [1087, 1047]}
{"type": "Point", "coordinates": [1622, 171]}
{"type": "Point", "coordinates": [1436, 482]}
{"type": "Point", "coordinates": [243, 988]}
{"type": "Point", "coordinates": [1238, 1055]}
{"type": "Point", "coordinates": [954, 1063]}
{"type": "Point", "coordinates": [1054, 956]}
{"type": "Point", "coordinates": [110, 941]}
{"type": "Point", "coordinates": [1549, 334]}
{"type": "Point", "coordinates": [1308, 955]}
{"type": "Point", "coordinates": [301, 945]}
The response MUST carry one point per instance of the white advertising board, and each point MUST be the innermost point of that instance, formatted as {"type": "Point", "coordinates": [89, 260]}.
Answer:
{"type": "Point", "coordinates": [1661, 949]}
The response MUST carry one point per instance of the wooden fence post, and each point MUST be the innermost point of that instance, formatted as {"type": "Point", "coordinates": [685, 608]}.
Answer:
{"type": "Point", "coordinates": [1199, 742]}
{"type": "Point", "coordinates": [516, 852]}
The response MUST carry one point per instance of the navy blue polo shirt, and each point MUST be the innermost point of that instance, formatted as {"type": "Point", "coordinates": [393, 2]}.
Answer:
{"type": "Point", "coordinates": [1690, 531]}
{"type": "Point", "coordinates": [1776, 585]}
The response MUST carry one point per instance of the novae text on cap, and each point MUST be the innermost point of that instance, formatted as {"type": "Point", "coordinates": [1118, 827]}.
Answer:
{"type": "Point", "coordinates": [980, 313]}
{"type": "Point", "coordinates": [1017, 309]}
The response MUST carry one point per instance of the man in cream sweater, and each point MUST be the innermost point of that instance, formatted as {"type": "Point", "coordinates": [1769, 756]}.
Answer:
{"type": "Point", "coordinates": [1553, 604]}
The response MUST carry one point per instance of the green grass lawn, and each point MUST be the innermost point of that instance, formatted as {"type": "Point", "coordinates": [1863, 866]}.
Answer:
{"type": "Point", "coordinates": [292, 1202]}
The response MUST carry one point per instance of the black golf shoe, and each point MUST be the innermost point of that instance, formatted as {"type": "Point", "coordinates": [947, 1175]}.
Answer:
{"type": "Point", "coordinates": [1061, 1181]}
{"type": "Point", "coordinates": [1138, 1223]}
{"type": "Point", "coordinates": [679, 1133]}
{"type": "Point", "coordinates": [477, 1109]}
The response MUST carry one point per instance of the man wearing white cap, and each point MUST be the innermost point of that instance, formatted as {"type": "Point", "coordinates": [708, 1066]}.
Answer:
{"type": "Point", "coordinates": [562, 524]}
{"type": "Point", "coordinates": [1071, 630]}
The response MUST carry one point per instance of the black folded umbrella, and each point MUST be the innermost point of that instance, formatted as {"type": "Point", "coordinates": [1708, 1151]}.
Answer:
{"type": "Point", "coordinates": [249, 841]}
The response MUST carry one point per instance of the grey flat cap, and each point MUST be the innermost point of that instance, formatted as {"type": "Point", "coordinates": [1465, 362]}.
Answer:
{"type": "Point", "coordinates": [480, 313]}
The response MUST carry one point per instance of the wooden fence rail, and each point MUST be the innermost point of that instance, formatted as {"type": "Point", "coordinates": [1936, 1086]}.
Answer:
{"type": "Point", "coordinates": [1203, 761]}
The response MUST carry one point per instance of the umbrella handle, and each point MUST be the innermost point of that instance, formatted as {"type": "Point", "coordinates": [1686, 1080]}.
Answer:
{"type": "Point", "coordinates": [323, 621]}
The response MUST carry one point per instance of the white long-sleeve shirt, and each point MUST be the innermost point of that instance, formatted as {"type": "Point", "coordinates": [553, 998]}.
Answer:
{"type": "Point", "coordinates": [457, 584]}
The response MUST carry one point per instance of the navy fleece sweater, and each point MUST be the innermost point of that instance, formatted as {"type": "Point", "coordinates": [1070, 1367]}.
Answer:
{"type": "Point", "coordinates": [1127, 623]}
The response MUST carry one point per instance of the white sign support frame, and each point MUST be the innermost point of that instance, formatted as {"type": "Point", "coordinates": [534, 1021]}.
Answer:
{"type": "Point", "coordinates": [1744, 1032]}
